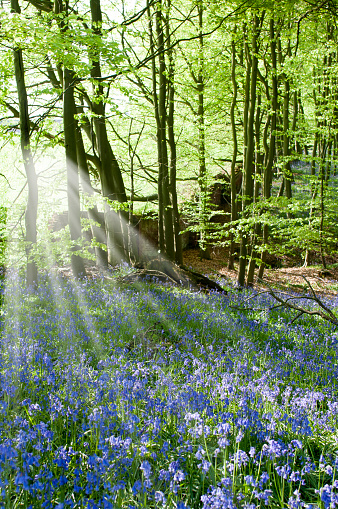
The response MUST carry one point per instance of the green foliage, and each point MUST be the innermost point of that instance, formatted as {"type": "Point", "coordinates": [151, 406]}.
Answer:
{"type": "Point", "coordinates": [3, 235]}
{"type": "Point", "coordinates": [182, 383]}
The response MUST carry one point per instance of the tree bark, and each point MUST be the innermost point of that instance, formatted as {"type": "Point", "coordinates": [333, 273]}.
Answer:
{"type": "Point", "coordinates": [73, 194]}
{"type": "Point", "coordinates": [249, 156]}
{"type": "Point", "coordinates": [110, 173]}
{"type": "Point", "coordinates": [267, 179]}
{"type": "Point", "coordinates": [161, 240]}
{"type": "Point", "coordinates": [97, 226]}
{"type": "Point", "coordinates": [286, 139]}
{"type": "Point", "coordinates": [202, 177]}
{"type": "Point", "coordinates": [234, 153]}
{"type": "Point", "coordinates": [32, 202]}
{"type": "Point", "coordinates": [172, 146]}
{"type": "Point", "coordinates": [163, 163]}
{"type": "Point", "coordinates": [258, 169]}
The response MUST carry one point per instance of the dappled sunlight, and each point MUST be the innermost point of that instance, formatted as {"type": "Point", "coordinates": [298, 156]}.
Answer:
{"type": "Point", "coordinates": [120, 395]}
{"type": "Point", "coordinates": [128, 379]}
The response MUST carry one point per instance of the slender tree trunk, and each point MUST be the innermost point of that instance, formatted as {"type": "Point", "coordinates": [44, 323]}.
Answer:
{"type": "Point", "coordinates": [131, 205]}
{"type": "Point", "coordinates": [296, 146]}
{"type": "Point", "coordinates": [110, 174]}
{"type": "Point", "coordinates": [241, 204]}
{"type": "Point", "coordinates": [172, 146]}
{"type": "Point", "coordinates": [32, 202]}
{"type": "Point", "coordinates": [234, 153]}
{"type": "Point", "coordinates": [258, 170]}
{"type": "Point", "coordinates": [72, 172]}
{"type": "Point", "coordinates": [249, 158]}
{"type": "Point", "coordinates": [202, 176]}
{"type": "Point", "coordinates": [322, 214]}
{"type": "Point", "coordinates": [163, 153]}
{"type": "Point", "coordinates": [301, 111]}
{"type": "Point", "coordinates": [335, 154]}
{"type": "Point", "coordinates": [286, 139]}
{"type": "Point", "coordinates": [247, 84]}
{"type": "Point", "coordinates": [161, 240]}
{"type": "Point", "coordinates": [133, 237]}
{"type": "Point", "coordinates": [313, 183]}
{"type": "Point", "coordinates": [267, 179]}
{"type": "Point", "coordinates": [97, 225]}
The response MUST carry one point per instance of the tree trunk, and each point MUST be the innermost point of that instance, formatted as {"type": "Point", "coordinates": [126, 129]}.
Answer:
{"type": "Point", "coordinates": [286, 139]}
{"type": "Point", "coordinates": [296, 146]}
{"type": "Point", "coordinates": [234, 153]}
{"type": "Point", "coordinates": [258, 170]}
{"type": "Point", "coordinates": [202, 176]}
{"type": "Point", "coordinates": [172, 147]}
{"type": "Point", "coordinates": [249, 156]}
{"type": "Point", "coordinates": [161, 241]}
{"type": "Point", "coordinates": [72, 172]}
{"type": "Point", "coordinates": [162, 142]}
{"type": "Point", "coordinates": [322, 213]}
{"type": "Point", "coordinates": [267, 179]}
{"type": "Point", "coordinates": [241, 205]}
{"type": "Point", "coordinates": [97, 226]}
{"type": "Point", "coordinates": [110, 173]}
{"type": "Point", "coordinates": [313, 188]}
{"type": "Point", "coordinates": [32, 202]}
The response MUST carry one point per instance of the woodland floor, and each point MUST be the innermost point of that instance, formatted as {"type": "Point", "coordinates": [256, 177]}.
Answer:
{"type": "Point", "coordinates": [288, 277]}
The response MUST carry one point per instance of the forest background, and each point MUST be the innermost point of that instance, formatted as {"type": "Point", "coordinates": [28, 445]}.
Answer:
{"type": "Point", "coordinates": [152, 109]}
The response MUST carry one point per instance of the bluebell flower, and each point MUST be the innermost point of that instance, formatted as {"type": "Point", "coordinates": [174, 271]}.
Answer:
{"type": "Point", "coordinates": [181, 505]}
{"type": "Point", "coordinates": [240, 458]}
{"type": "Point", "coordinates": [136, 487]}
{"type": "Point", "coordinates": [146, 469]}
{"type": "Point", "coordinates": [263, 495]}
{"type": "Point", "coordinates": [23, 479]}
{"type": "Point", "coordinates": [252, 452]}
{"type": "Point", "coordinates": [250, 480]}
{"type": "Point", "coordinates": [223, 442]}
{"type": "Point", "coordinates": [205, 466]}
{"type": "Point", "coordinates": [218, 498]}
{"type": "Point", "coordinates": [200, 453]}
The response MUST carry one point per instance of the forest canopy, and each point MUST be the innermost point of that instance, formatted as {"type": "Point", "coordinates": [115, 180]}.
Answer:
{"type": "Point", "coordinates": [131, 132]}
{"type": "Point", "coordinates": [215, 118]}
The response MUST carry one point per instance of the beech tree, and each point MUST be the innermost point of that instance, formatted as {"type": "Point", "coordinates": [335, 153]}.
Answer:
{"type": "Point", "coordinates": [32, 202]}
{"type": "Point", "coordinates": [204, 88]}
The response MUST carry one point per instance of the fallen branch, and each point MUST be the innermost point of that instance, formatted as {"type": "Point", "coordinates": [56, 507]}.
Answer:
{"type": "Point", "coordinates": [324, 312]}
{"type": "Point", "coordinates": [165, 270]}
{"type": "Point", "coordinates": [287, 300]}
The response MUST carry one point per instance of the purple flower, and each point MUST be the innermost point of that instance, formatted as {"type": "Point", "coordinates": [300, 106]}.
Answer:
{"type": "Point", "coordinates": [240, 458]}
{"type": "Point", "coordinates": [294, 501]}
{"type": "Point", "coordinates": [146, 469]}
{"type": "Point", "coordinates": [250, 481]}
{"type": "Point", "coordinates": [136, 487]}
{"type": "Point", "coordinates": [263, 495]}
{"type": "Point", "coordinates": [179, 476]}
{"type": "Point", "coordinates": [205, 466]}
{"type": "Point", "coordinates": [239, 436]}
{"type": "Point", "coordinates": [252, 452]}
{"type": "Point", "coordinates": [223, 442]}
{"type": "Point", "coordinates": [218, 498]}
{"type": "Point", "coordinates": [283, 471]}
{"type": "Point", "coordinates": [160, 498]}
{"type": "Point", "coordinates": [200, 453]}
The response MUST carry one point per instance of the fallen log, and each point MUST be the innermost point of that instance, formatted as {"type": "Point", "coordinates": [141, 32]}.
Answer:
{"type": "Point", "coordinates": [167, 271]}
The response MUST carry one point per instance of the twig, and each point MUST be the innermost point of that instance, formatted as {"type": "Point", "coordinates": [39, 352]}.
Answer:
{"type": "Point", "coordinates": [286, 301]}
{"type": "Point", "coordinates": [327, 314]}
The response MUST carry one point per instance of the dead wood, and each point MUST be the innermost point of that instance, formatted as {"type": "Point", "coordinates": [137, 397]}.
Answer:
{"type": "Point", "coordinates": [167, 271]}
{"type": "Point", "coordinates": [291, 301]}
